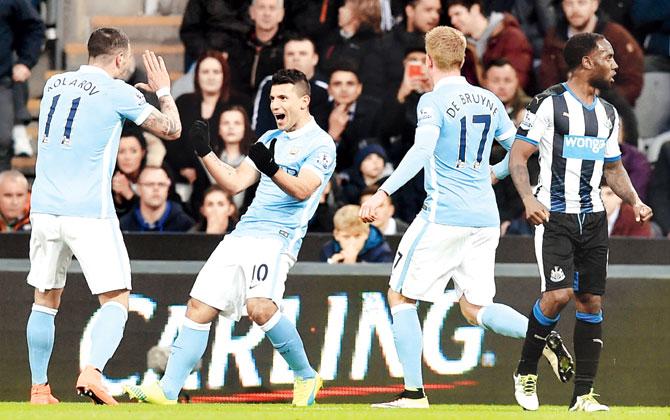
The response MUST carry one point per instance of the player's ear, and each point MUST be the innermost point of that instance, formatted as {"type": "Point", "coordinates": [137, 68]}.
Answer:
{"type": "Point", "coordinates": [305, 100]}
{"type": "Point", "coordinates": [587, 63]}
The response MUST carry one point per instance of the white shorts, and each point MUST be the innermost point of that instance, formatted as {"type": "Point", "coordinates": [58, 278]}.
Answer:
{"type": "Point", "coordinates": [97, 244]}
{"type": "Point", "coordinates": [430, 254]}
{"type": "Point", "coordinates": [241, 268]}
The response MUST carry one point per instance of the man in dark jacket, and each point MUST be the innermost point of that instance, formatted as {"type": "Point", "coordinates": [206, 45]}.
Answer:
{"type": "Point", "coordinates": [354, 241]}
{"type": "Point", "coordinates": [580, 18]}
{"type": "Point", "coordinates": [21, 35]}
{"type": "Point", "coordinates": [154, 212]}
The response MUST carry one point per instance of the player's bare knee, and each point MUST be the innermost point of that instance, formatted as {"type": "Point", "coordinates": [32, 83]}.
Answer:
{"type": "Point", "coordinates": [120, 296]}
{"type": "Point", "coordinates": [554, 301]}
{"type": "Point", "coordinates": [261, 310]}
{"type": "Point", "coordinates": [200, 312]}
{"type": "Point", "coordinates": [48, 298]}
{"type": "Point", "coordinates": [396, 298]}
{"type": "Point", "coordinates": [588, 303]}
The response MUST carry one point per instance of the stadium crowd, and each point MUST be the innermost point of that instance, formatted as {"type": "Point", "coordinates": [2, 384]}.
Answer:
{"type": "Point", "coordinates": [365, 60]}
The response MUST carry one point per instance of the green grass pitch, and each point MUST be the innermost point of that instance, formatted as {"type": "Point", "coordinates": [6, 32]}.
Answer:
{"type": "Point", "coordinates": [133, 411]}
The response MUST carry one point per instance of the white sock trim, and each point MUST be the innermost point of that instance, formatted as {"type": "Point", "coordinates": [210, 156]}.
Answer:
{"type": "Point", "coordinates": [403, 307]}
{"type": "Point", "coordinates": [480, 315]}
{"type": "Point", "coordinates": [274, 320]}
{"type": "Point", "coordinates": [112, 303]}
{"type": "Point", "coordinates": [44, 309]}
{"type": "Point", "coordinates": [189, 323]}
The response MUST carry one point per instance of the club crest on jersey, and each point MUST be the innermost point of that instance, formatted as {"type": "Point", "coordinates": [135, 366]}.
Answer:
{"type": "Point", "coordinates": [556, 274]}
{"type": "Point", "coordinates": [528, 120]}
{"type": "Point", "coordinates": [426, 114]}
{"type": "Point", "coordinates": [584, 147]}
{"type": "Point", "coordinates": [140, 98]}
{"type": "Point", "coordinates": [324, 160]}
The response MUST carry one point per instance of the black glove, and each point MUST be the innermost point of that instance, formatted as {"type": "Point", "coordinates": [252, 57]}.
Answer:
{"type": "Point", "coordinates": [199, 138]}
{"type": "Point", "coordinates": [263, 158]}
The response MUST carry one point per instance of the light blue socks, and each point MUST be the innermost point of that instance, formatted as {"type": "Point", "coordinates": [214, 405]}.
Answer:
{"type": "Point", "coordinates": [107, 333]}
{"type": "Point", "coordinates": [503, 320]}
{"type": "Point", "coordinates": [408, 342]}
{"type": "Point", "coordinates": [285, 338]}
{"type": "Point", "coordinates": [187, 349]}
{"type": "Point", "coordinates": [40, 334]}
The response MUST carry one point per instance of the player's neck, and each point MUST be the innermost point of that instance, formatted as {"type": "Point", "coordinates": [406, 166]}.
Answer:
{"type": "Point", "coordinates": [438, 75]}
{"type": "Point", "coordinates": [303, 121]}
{"type": "Point", "coordinates": [582, 89]}
{"type": "Point", "coordinates": [110, 69]}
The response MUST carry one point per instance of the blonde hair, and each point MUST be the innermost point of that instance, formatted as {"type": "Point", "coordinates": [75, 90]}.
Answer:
{"type": "Point", "coordinates": [346, 219]}
{"type": "Point", "coordinates": [446, 47]}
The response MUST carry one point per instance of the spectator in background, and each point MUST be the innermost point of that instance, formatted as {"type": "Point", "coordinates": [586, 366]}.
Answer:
{"type": "Point", "coordinates": [368, 169]}
{"type": "Point", "coordinates": [130, 161]}
{"type": "Point", "coordinates": [300, 54]}
{"type": "Point", "coordinates": [501, 79]}
{"type": "Point", "coordinates": [580, 16]}
{"type": "Point", "coordinates": [235, 137]}
{"type": "Point", "coordinates": [357, 30]}
{"type": "Point", "coordinates": [154, 212]}
{"type": "Point", "coordinates": [385, 222]}
{"type": "Point", "coordinates": [352, 120]}
{"type": "Point", "coordinates": [21, 36]}
{"type": "Point", "coordinates": [311, 18]}
{"type": "Point", "coordinates": [621, 217]}
{"type": "Point", "coordinates": [14, 202]}
{"type": "Point", "coordinates": [354, 241]}
{"type": "Point", "coordinates": [635, 162]}
{"type": "Point", "coordinates": [659, 190]}
{"type": "Point", "coordinates": [490, 36]}
{"type": "Point", "coordinates": [216, 25]}
{"type": "Point", "coordinates": [259, 54]}
{"type": "Point", "coordinates": [213, 93]}
{"type": "Point", "coordinates": [381, 70]}
{"type": "Point", "coordinates": [218, 212]}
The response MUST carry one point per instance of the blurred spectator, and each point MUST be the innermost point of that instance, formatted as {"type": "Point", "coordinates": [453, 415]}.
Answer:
{"type": "Point", "coordinates": [259, 54]}
{"type": "Point", "coordinates": [311, 18]}
{"type": "Point", "coordinates": [130, 161]}
{"type": "Point", "coordinates": [218, 212]}
{"type": "Point", "coordinates": [354, 241]}
{"type": "Point", "coordinates": [635, 162]}
{"type": "Point", "coordinates": [352, 120]}
{"type": "Point", "coordinates": [659, 190]}
{"type": "Point", "coordinates": [368, 169]}
{"type": "Point", "coordinates": [213, 93]}
{"type": "Point", "coordinates": [154, 212]}
{"type": "Point", "coordinates": [581, 16]}
{"type": "Point", "coordinates": [501, 79]}
{"type": "Point", "coordinates": [385, 222]}
{"type": "Point", "coordinates": [14, 202]}
{"type": "Point", "coordinates": [22, 141]}
{"type": "Point", "coordinates": [212, 25]}
{"type": "Point", "coordinates": [357, 31]}
{"type": "Point", "coordinates": [234, 139]}
{"type": "Point", "coordinates": [21, 36]}
{"type": "Point", "coordinates": [381, 70]}
{"type": "Point", "coordinates": [322, 221]}
{"type": "Point", "coordinates": [621, 217]}
{"type": "Point", "coordinates": [300, 54]}
{"type": "Point", "coordinates": [490, 36]}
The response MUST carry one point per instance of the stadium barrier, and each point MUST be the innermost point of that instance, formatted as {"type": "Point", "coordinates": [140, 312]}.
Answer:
{"type": "Point", "coordinates": [343, 318]}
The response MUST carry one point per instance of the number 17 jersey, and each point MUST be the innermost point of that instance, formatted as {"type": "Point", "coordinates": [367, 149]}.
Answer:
{"type": "Point", "coordinates": [81, 117]}
{"type": "Point", "coordinates": [457, 176]}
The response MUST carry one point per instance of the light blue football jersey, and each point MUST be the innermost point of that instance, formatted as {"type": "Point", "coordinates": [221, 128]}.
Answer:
{"type": "Point", "coordinates": [457, 177]}
{"type": "Point", "coordinates": [81, 117]}
{"type": "Point", "coordinates": [273, 212]}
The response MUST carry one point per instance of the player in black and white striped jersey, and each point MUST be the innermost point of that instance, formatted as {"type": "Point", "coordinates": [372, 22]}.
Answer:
{"type": "Point", "coordinates": [576, 133]}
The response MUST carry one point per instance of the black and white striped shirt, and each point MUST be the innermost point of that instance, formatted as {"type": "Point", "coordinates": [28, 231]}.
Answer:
{"type": "Point", "coordinates": [575, 140]}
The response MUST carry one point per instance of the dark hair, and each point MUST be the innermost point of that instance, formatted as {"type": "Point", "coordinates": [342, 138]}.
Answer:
{"type": "Point", "coordinates": [105, 41]}
{"type": "Point", "coordinates": [498, 62]}
{"type": "Point", "coordinates": [131, 130]}
{"type": "Point", "coordinates": [292, 77]}
{"type": "Point", "coordinates": [300, 38]}
{"type": "Point", "coordinates": [468, 5]}
{"type": "Point", "coordinates": [344, 64]}
{"type": "Point", "coordinates": [247, 139]}
{"type": "Point", "coordinates": [224, 93]}
{"type": "Point", "coordinates": [579, 46]}
{"type": "Point", "coordinates": [232, 220]}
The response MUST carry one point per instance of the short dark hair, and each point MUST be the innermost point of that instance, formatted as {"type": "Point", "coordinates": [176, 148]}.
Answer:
{"type": "Point", "coordinates": [105, 41]}
{"type": "Point", "coordinates": [300, 38]}
{"type": "Point", "coordinates": [344, 64]}
{"type": "Point", "coordinates": [579, 46]}
{"type": "Point", "coordinates": [468, 5]}
{"type": "Point", "coordinates": [498, 62]}
{"type": "Point", "coordinates": [292, 77]}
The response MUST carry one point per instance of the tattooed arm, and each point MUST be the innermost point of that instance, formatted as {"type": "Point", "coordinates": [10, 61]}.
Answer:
{"type": "Point", "coordinates": [536, 212]}
{"type": "Point", "coordinates": [164, 123]}
{"type": "Point", "coordinates": [618, 181]}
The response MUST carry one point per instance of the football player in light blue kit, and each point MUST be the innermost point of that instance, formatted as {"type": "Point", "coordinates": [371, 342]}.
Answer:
{"type": "Point", "coordinates": [247, 271]}
{"type": "Point", "coordinates": [456, 234]}
{"type": "Point", "coordinates": [72, 211]}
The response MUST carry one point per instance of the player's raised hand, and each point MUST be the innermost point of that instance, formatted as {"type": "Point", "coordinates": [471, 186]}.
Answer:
{"type": "Point", "coordinates": [536, 212]}
{"type": "Point", "coordinates": [157, 74]}
{"type": "Point", "coordinates": [370, 206]}
{"type": "Point", "coordinates": [642, 212]}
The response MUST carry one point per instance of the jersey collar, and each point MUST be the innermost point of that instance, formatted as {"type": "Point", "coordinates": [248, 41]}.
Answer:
{"type": "Point", "coordinates": [450, 80]}
{"type": "Point", "coordinates": [307, 127]}
{"type": "Point", "coordinates": [85, 68]}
